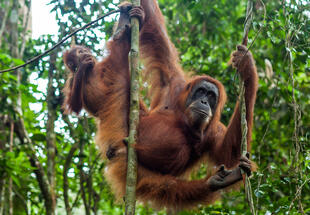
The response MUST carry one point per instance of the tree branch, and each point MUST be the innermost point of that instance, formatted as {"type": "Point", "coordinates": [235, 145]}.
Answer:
{"type": "Point", "coordinates": [50, 128]}
{"type": "Point", "coordinates": [130, 198]}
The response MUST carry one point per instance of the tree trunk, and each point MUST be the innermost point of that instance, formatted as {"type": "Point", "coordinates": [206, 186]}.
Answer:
{"type": "Point", "coordinates": [15, 54]}
{"type": "Point", "coordinates": [10, 179]}
{"type": "Point", "coordinates": [130, 198]}
{"type": "Point", "coordinates": [2, 181]}
{"type": "Point", "coordinates": [6, 11]}
{"type": "Point", "coordinates": [50, 132]}
{"type": "Point", "coordinates": [65, 177]}
{"type": "Point", "coordinates": [83, 176]}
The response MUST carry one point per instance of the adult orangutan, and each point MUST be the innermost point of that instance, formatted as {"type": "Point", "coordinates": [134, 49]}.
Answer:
{"type": "Point", "coordinates": [182, 126]}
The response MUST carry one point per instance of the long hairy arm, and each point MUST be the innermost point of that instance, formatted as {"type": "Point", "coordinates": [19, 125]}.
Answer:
{"type": "Point", "coordinates": [160, 58]}
{"type": "Point", "coordinates": [228, 147]}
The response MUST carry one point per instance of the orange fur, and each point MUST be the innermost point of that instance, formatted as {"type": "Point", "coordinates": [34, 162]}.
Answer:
{"type": "Point", "coordinates": [167, 148]}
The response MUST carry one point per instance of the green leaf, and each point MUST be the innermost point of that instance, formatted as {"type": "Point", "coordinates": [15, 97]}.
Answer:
{"type": "Point", "coordinates": [38, 137]}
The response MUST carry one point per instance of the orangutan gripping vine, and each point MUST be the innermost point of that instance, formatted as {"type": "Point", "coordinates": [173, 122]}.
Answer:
{"type": "Point", "coordinates": [183, 124]}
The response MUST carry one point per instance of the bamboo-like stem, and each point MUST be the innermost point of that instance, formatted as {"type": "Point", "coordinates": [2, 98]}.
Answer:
{"type": "Point", "coordinates": [130, 198]}
{"type": "Point", "coordinates": [244, 127]}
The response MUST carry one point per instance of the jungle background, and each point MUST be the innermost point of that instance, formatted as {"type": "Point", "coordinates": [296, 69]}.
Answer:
{"type": "Point", "coordinates": [49, 163]}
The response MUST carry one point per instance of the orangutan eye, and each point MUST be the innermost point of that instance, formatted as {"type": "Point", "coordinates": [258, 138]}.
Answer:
{"type": "Point", "coordinates": [211, 98]}
{"type": "Point", "coordinates": [200, 92]}
{"type": "Point", "coordinates": [188, 86]}
{"type": "Point", "coordinates": [80, 51]}
{"type": "Point", "coordinates": [211, 94]}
